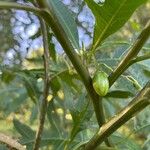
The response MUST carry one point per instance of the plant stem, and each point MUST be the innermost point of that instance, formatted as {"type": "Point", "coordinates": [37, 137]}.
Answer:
{"type": "Point", "coordinates": [128, 60]}
{"type": "Point", "coordinates": [51, 19]}
{"type": "Point", "coordinates": [134, 50]}
{"type": "Point", "coordinates": [135, 106]}
{"type": "Point", "coordinates": [123, 65]}
{"type": "Point", "coordinates": [69, 49]}
{"type": "Point", "coordinates": [138, 59]}
{"type": "Point", "coordinates": [14, 5]}
{"type": "Point", "coordinates": [46, 86]}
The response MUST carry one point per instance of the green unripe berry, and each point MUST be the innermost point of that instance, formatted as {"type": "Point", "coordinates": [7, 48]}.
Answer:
{"type": "Point", "coordinates": [101, 83]}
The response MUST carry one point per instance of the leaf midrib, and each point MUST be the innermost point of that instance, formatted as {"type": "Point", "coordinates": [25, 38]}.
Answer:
{"type": "Point", "coordinates": [107, 26]}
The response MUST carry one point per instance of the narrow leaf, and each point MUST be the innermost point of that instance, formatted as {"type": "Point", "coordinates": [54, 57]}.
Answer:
{"type": "Point", "coordinates": [119, 94]}
{"type": "Point", "coordinates": [23, 129]}
{"type": "Point", "coordinates": [67, 20]}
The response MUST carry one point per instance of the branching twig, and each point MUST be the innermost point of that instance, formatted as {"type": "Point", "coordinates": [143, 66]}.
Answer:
{"type": "Point", "coordinates": [46, 86]}
{"type": "Point", "coordinates": [14, 5]}
{"type": "Point", "coordinates": [138, 59]}
{"type": "Point", "coordinates": [128, 60]}
{"type": "Point", "coordinates": [67, 46]}
{"type": "Point", "coordinates": [136, 105]}
{"type": "Point", "coordinates": [134, 50]}
{"type": "Point", "coordinates": [11, 142]}
{"type": "Point", "coordinates": [52, 20]}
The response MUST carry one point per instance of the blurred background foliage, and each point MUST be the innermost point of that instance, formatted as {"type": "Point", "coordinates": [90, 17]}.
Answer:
{"type": "Point", "coordinates": [70, 113]}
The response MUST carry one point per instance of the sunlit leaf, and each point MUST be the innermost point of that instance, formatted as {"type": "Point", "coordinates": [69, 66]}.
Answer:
{"type": "Point", "coordinates": [111, 16]}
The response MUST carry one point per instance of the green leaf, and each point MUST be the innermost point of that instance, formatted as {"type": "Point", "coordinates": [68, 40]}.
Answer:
{"type": "Point", "coordinates": [53, 118]}
{"type": "Point", "coordinates": [120, 94]}
{"type": "Point", "coordinates": [7, 76]}
{"type": "Point", "coordinates": [16, 104]}
{"type": "Point", "coordinates": [69, 77]}
{"type": "Point", "coordinates": [65, 76]}
{"type": "Point", "coordinates": [83, 137]}
{"type": "Point", "coordinates": [34, 114]}
{"type": "Point", "coordinates": [143, 129]}
{"type": "Point", "coordinates": [111, 62]}
{"type": "Point", "coordinates": [68, 96]}
{"type": "Point", "coordinates": [55, 85]}
{"type": "Point", "coordinates": [125, 143]}
{"type": "Point", "coordinates": [58, 143]}
{"type": "Point", "coordinates": [146, 73]}
{"type": "Point", "coordinates": [28, 136]}
{"type": "Point", "coordinates": [123, 83]}
{"type": "Point", "coordinates": [26, 132]}
{"type": "Point", "coordinates": [23, 129]}
{"type": "Point", "coordinates": [137, 71]}
{"type": "Point", "coordinates": [79, 145]}
{"type": "Point", "coordinates": [52, 138]}
{"type": "Point", "coordinates": [52, 47]}
{"type": "Point", "coordinates": [81, 113]}
{"type": "Point", "coordinates": [48, 138]}
{"type": "Point", "coordinates": [105, 148]}
{"type": "Point", "coordinates": [30, 89]}
{"type": "Point", "coordinates": [67, 20]}
{"type": "Point", "coordinates": [111, 16]}
{"type": "Point", "coordinates": [30, 84]}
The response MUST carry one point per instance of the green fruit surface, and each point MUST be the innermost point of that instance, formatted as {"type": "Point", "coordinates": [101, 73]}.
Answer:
{"type": "Point", "coordinates": [101, 83]}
